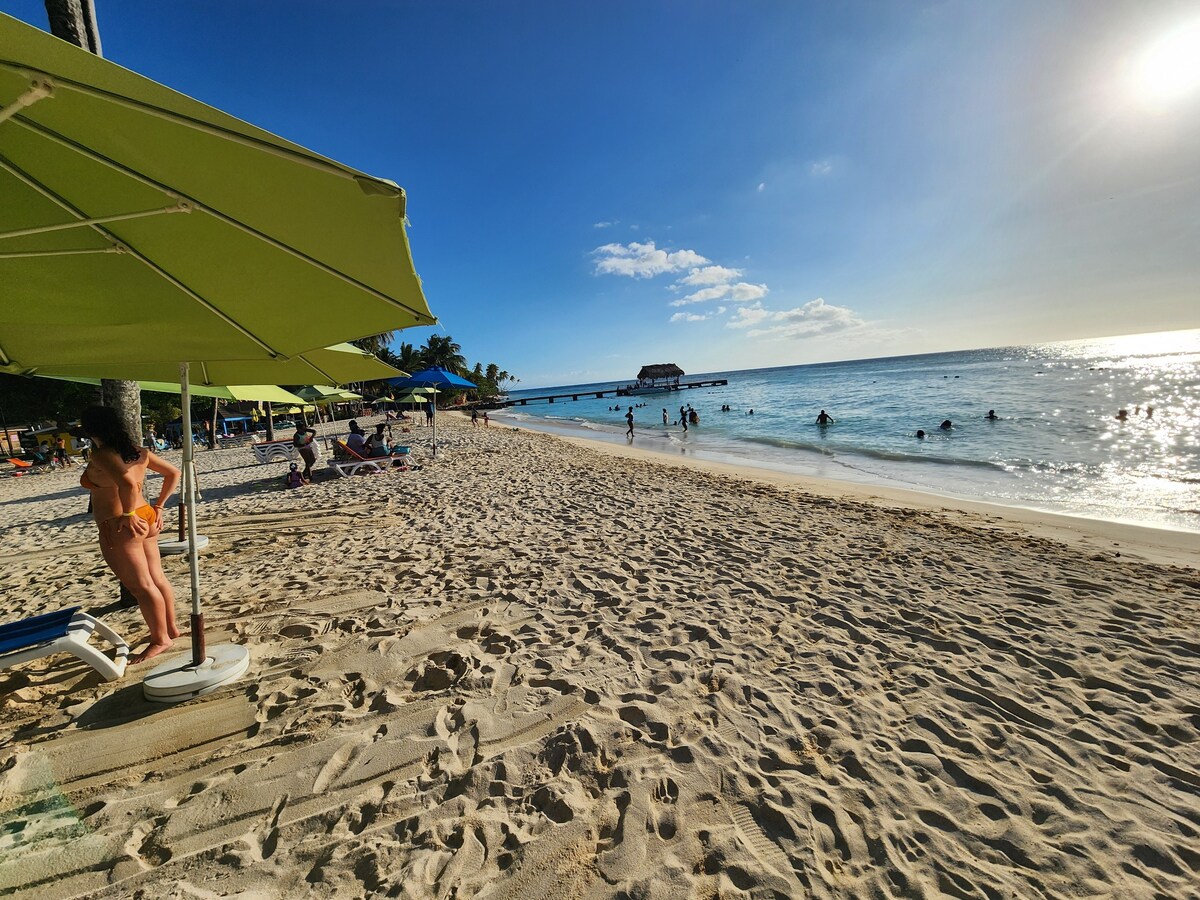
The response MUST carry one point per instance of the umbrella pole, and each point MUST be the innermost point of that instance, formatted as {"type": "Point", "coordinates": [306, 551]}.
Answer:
{"type": "Point", "coordinates": [189, 511]}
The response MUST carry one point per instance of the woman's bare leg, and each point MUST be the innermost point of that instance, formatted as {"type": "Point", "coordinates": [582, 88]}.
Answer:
{"type": "Point", "coordinates": [154, 566]}
{"type": "Point", "coordinates": [126, 557]}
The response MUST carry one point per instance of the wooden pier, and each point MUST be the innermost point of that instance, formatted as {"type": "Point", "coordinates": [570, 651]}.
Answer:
{"type": "Point", "coordinates": [588, 395]}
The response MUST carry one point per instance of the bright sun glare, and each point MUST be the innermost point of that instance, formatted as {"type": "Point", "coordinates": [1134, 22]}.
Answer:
{"type": "Point", "coordinates": [1170, 68]}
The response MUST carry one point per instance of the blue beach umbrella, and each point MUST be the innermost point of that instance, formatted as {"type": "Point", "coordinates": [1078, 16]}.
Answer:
{"type": "Point", "coordinates": [437, 377]}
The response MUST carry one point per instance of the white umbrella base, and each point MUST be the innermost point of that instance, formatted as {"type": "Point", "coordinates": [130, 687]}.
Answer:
{"type": "Point", "coordinates": [172, 547]}
{"type": "Point", "coordinates": [178, 680]}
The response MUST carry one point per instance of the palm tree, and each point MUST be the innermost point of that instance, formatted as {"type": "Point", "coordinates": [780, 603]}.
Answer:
{"type": "Point", "coordinates": [376, 342]}
{"type": "Point", "coordinates": [443, 352]}
{"type": "Point", "coordinates": [409, 359]}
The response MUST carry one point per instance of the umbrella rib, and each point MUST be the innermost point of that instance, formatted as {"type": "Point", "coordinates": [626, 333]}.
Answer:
{"type": "Point", "coordinates": [312, 161]}
{"type": "Point", "coordinates": [98, 220]}
{"type": "Point", "coordinates": [422, 318]}
{"type": "Point", "coordinates": [24, 254]}
{"type": "Point", "coordinates": [121, 246]}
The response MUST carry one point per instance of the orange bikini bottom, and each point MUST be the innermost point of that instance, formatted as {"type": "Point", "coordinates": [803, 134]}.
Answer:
{"type": "Point", "coordinates": [108, 527]}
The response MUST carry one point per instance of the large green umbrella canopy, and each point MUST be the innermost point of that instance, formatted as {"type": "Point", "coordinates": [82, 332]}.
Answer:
{"type": "Point", "coordinates": [148, 227]}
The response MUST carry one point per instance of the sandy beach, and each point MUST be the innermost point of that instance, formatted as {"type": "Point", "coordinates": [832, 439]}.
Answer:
{"type": "Point", "coordinates": [538, 668]}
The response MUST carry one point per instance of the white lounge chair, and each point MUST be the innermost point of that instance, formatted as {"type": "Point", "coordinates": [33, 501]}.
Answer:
{"type": "Point", "coordinates": [64, 631]}
{"type": "Point", "coordinates": [274, 451]}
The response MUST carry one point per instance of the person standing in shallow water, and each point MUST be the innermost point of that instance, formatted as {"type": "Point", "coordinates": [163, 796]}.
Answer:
{"type": "Point", "coordinates": [629, 419]}
{"type": "Point", "coordinates": [129, 526]}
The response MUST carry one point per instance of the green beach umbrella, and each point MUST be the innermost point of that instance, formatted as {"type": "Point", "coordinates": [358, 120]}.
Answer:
{"type": "Point", "coordinates": [141, 229]}
{"type": "Point", "coordinates": [323, 394]}
{"type": "Point", "coordinates": [341, 363]}
{"type": "Point", "coordinates": [268, 393]}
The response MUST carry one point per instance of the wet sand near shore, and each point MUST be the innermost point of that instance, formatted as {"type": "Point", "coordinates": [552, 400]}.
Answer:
{"type": "Point", "coordinates": [538, 669]}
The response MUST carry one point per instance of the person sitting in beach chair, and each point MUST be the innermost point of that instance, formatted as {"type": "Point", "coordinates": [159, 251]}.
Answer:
{"type": "Point", "coordinates": [377, 445]}
{"type": "Point", "coordinates": [347, 462]}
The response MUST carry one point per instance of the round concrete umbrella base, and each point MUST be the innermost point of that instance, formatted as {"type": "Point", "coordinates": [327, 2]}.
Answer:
{"type": "Point", "coordinates": [178, 680]}
{"type": "Point", "coordinates": [172, 547]}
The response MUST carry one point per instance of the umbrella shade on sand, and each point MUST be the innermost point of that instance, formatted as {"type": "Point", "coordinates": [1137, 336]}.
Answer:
{"type": "Point", "coordinates": [140, 227]}
{"type": "Point", "coordinates": [430, 381]}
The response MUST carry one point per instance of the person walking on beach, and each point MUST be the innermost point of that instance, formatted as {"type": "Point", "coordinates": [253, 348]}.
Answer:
{"type": "Point", "coordinates": [824, 418]}
{"type": "Point", "coordinates": [664, 417]}
{"type": "Point", "coordinates": [428, 412]}
{"type": "Point", "coordinates": [629, 419]}
{"type": "Point", "coordinates": [487, 423]}
{"type": "Point", "coordinates": [474, 418]}
{"type": "Point", "coordinates": [302, 441]}
{"type": "Point", "coordinates": [60, 452]}
{"type": "Point", "coordinates": [128, 525]}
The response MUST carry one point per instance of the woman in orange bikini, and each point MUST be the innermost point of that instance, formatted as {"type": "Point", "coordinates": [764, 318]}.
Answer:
{"type": "Point", "coordinates": [129, 526]}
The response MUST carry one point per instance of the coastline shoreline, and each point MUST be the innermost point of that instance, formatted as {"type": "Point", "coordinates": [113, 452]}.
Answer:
{"type": "Point", "coordinates": [1153, 544]}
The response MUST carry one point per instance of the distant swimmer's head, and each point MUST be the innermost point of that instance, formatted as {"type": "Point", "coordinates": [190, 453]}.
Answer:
{"type": "Point", "coordinates": [920, 434]}
{"type": "Point", "coordinates": [947, 425]}
{"type": "Point", "coordinates": [991, 414]}
{"type": "Point", "coordinates": [1122, 414]}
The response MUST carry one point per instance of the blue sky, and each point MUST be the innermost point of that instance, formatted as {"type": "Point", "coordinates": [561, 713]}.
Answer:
{"type": "Point", "coordinates": [596, 186]}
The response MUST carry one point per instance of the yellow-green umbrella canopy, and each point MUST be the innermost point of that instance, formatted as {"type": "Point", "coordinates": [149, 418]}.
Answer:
{"type": "Point", "coordinates": [268, 393]}
{"type": "Point", "coordinates": [146, 227]}
{"type": "Point", "coordinates": [340, 363]}
{"type": "Point", "coordinates": [324, 394]}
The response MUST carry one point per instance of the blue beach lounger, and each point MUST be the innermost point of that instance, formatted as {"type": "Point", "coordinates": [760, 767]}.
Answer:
{"type": "Point", "coordinates": [65, 631]}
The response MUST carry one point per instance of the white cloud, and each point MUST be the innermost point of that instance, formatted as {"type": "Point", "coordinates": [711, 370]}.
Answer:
{"type": "Point", "coordinates": [740, 293]}
{"type": "Point", "coordinates": [720, 311]}
{"type": "Point", "coordinates": [816, 317]}
{"type": "Point", "coordinates": [710, 275]}
{"type": "Point", "coordinates": [643, 260]}
{"type": "Point", "coordinates": [748, 315]}
{"type": "Point", "coordinates": [762, 186]}
{"type": "Point", "coordinates": [820, 168]}
{"type": "Point", "coordinates": [688, 317]}
{"type": "Point", "coordinates": [743, 292]}
{"type": "Point", "coordinates": [605, 224]}
{"type": "Point", "coordinates": [703, 295]}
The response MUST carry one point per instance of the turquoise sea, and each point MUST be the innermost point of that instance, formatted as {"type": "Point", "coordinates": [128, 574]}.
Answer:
{"type": "Point", "coordinates": [1057, 444]}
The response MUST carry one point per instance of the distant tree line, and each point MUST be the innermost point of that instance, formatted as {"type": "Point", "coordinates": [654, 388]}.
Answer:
{"type": "Point", "coordinates": [443, 352]}
{"type": "Point", "coordinates": [48, 401]}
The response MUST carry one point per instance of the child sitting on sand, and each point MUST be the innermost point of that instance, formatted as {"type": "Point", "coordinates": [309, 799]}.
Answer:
{"type": "Point", "coordinates": [294, 479]}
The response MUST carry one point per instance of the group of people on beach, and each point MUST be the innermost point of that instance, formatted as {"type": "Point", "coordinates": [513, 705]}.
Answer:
{"type": "Point", "coordinates": [475, 419]}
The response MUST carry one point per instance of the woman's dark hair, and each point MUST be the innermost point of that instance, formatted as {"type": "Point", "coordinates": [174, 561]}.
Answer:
{"type": "Point", "coordinates": [103, 424]}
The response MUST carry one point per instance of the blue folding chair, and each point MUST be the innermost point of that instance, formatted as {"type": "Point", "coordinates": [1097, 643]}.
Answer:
{"type": "Point", "coordinates": [65, 631]}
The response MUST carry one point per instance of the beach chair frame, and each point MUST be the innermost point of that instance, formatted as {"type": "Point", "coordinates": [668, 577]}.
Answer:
{"type": "Point", "coordinates": [64, 631]}
{"type": "Point", "coordinates": [354, 463]}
